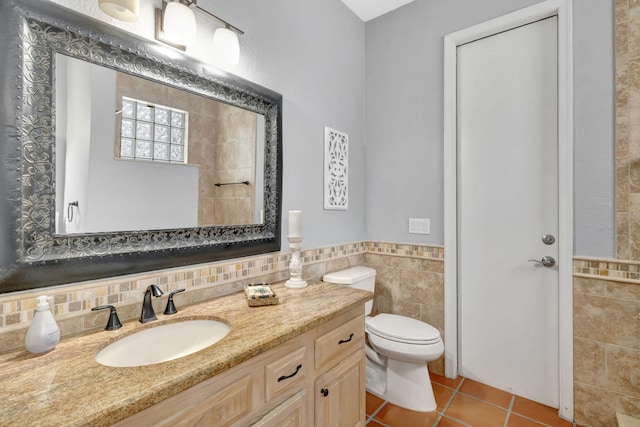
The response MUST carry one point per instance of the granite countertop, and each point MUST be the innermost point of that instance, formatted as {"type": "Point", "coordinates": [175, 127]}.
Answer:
{"type": "Point", "coordinates": [67, 387]}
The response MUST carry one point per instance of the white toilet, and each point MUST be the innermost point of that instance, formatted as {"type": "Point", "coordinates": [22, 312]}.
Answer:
{"type": "Point", "coordinates": [397, 363]}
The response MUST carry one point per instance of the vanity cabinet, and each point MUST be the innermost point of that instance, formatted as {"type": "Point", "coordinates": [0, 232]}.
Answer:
{"type": "Point", "coordinates": [340, 394]}
{"type": "Point", "coordinates": [316, 378]}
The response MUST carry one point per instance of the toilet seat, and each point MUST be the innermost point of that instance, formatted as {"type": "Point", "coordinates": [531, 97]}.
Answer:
{"type": "Point", "coordinates": [402, 329]}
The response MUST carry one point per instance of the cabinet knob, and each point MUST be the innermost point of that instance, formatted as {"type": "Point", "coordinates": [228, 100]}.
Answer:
{"type": "Point", "coordinates": [324, 392]}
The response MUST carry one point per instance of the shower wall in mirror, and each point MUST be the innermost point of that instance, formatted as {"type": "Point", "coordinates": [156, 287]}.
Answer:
{"type": "Point", "coordinates": [134, 154]}
{"type": "Point", "coordinates": [627, 54]}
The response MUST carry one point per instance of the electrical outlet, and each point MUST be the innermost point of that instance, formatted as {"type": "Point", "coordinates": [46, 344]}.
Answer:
{"type": "Point", "coordinates": [419, 226]}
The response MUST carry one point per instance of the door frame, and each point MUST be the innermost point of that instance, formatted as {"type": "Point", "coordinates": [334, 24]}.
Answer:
{"type": "Point", "coordinates": [563, 9]}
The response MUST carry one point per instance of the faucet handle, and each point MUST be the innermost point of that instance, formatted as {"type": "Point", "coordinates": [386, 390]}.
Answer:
{"type": "Point", "coordinates": [171, 307]}
{"type": "Point", "coordinates": [113, 323]}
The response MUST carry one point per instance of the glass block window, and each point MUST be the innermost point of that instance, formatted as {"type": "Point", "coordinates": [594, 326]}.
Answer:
{"type": "Point", "coordinates": [152, 132]}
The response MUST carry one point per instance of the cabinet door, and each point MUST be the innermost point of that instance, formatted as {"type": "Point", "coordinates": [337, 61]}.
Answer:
{"type": "Point", "coordinates": [291, 413]}
{"type": "Point", "coordinates": [340, 394]}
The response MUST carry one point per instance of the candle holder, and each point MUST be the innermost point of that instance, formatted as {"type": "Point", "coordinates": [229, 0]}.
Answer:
{"type": "Point", "coordinates": [295, 265]}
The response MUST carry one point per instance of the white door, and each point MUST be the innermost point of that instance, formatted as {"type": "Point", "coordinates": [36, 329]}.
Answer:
{"type": "Point", "coordinates": [507, 201]}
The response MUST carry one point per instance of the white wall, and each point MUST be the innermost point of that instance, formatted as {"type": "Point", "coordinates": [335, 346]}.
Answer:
{"type": "Point", "coordinates": [312, 52]}
{"type": "Point", "coordinates": [112, 194]}
{"type": "Point", "coordinates": [404, 117]}
{"type": "Point", "coordinates": [132, 195]}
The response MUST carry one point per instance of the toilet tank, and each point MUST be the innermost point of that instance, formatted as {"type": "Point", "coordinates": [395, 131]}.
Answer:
{"type": "Point", "coordinates": [357, 277]}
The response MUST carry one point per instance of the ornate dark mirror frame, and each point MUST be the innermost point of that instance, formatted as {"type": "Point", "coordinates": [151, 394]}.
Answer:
{"type": "Point", "coordinates": [31, 254]}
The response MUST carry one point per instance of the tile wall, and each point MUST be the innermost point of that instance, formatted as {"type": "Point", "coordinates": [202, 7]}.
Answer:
{"type": "Point", "coordinates": [627, 64]}
{"type": "Point", "coordinates": [606, 340]}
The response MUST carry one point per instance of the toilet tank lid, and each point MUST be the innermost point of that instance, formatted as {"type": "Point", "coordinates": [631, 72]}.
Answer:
{"type": "Point", "coordinates": [349, 276]}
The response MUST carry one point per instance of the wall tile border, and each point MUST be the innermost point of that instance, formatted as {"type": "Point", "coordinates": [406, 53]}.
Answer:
{"type": "Point", "coordinates": [607, 269]}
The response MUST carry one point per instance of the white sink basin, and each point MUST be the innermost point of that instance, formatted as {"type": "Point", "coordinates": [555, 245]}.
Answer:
{"type": "Point", "coordinates": [162, 343]}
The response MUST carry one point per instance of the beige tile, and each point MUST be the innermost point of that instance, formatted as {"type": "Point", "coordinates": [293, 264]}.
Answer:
{"type": "Point", "coordinates": [406, 308]}
{"type": "Point", "coordinates": [623, 370]}
{"type": "Point", "coordinates": [433, 316]}
{"type": "Point", "coordinates": [633, 175]}
{"type": "Point", "coordinates": [422, 286]}
{"type": "Point", "coordinates": [622, 88]}
{"type": "Point", "coordinates": [622, 138]}
{"type": "Point", "coordinates": [594, 406]}
{"type": "Point", "coordinates": [387, 281]}
{"type": "Point", "coordinates": [589, 362]}
{"type": "Point", "coordinates": [383, 304]}
{"type": "Point", "coordinates": [437, 366]}
{"type": "Point", "coordinates": [634, 29]}
{"type": "Point", "coordinates": [634, 222]}
{"type": "Point", "coordinates": [433, 266]}
{"type": "Point", "coordinates": [588, 286]}
{"type": "Point", "coordinates": [12, 340]}
{"type": "Point", "coordinates": [337, 264]}
{"type": "Point", "coordinates": [402, 262]}
{"type": "Point", "coordinates": [630, 406]}
{"type": "Point", "coordinates": [623, 184]}
{"type": "Point", "coordinates": [373, 260]}
{"type": "Point", "coordinates": [633, 102]}
{"type": "Point", "coordinates": [607, 320]}
{"type": "Point", "coordinates": [622, 234]}
{"type": "Point", "coordinates": [630, 291]}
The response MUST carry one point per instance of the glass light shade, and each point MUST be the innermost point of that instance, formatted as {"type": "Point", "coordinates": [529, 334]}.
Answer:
{"type": "Point", "coordinates": [179, 24]}
{"type": "Point", "coordinates": [226, 47]}
{"type": "Point", "coordinates": [124, 10]}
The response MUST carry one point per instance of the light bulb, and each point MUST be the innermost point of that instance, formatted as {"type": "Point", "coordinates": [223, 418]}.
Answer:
{"type": "Point", "coordinates": [179, 24]}
{"type": "Point", "coordinates": [226, 47]}
{"type": "Point", "coordinates": [124, 10]}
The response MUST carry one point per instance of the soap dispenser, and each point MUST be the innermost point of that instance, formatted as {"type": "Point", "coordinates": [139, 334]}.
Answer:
{"type": "Point", "coordinates": [43, 333]}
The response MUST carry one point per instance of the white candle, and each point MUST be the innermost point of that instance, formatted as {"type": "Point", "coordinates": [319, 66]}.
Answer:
{"type": "Point", "coordinates": [295, 223]}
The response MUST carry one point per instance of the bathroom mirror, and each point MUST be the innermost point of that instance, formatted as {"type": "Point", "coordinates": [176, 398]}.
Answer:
{"type": "Point", "coordinates": [38, 249]}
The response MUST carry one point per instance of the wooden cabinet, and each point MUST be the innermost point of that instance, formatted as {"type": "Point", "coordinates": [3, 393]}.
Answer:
{"type": "Point", "coordinates": [316, 378]}
{"type": "Point", "coordinates": [292, 413]}
{"type": "Point", "coordinates": [340, 394]}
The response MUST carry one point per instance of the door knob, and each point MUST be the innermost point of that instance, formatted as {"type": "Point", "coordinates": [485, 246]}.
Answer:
{"type": "Point", "coordinates": [547, 261]}
{"type": "Point", "coordinates": [548, 239]}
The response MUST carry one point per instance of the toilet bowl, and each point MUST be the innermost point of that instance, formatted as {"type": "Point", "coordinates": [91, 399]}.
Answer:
{"type": "Point", "coordinates": [399, 350]}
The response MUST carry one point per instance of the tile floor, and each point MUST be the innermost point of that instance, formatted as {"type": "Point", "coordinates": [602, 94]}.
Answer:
{"type": "Point", "coordinates": [463, 403]}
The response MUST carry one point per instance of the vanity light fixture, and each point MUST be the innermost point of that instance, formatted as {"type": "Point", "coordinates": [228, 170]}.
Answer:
{"type": "Point", "coordinates": [176, 26]}
{"type": "Point", "coordinates": [124, 10]}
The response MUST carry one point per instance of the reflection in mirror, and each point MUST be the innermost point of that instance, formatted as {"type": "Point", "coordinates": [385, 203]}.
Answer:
{"type": "Point", "coordinates": [134, 154]}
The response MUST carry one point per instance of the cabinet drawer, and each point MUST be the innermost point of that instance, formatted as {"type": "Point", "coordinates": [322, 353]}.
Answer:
{"type": "Point", "coordinates": [208, 403]}
{"type": "Point", "coordinates": [291, 413]}
{"type": "Point", "coordinates": [285, 372]}
{"type": "Point", "coordinates": [339, 342]}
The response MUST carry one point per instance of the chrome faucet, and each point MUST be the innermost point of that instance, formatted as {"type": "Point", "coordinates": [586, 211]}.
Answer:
{"type": "Point", "coordinates": [148, 314]}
